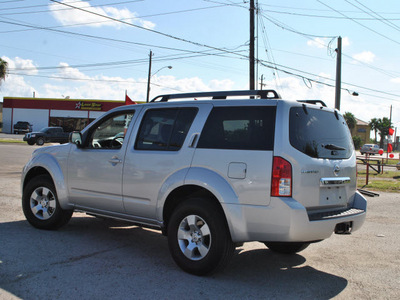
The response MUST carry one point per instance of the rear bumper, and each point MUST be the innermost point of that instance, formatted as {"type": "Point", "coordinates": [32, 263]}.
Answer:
{"type": "Point", "coordinates": [286, 220]}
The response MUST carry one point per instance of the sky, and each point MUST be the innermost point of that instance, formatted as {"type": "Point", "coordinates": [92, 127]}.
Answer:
{"type": "Point", "coordinates": [100, 49]}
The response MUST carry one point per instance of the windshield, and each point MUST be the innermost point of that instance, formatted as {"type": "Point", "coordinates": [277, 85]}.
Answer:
{"type": "Point", "coordinates": [319, 133]}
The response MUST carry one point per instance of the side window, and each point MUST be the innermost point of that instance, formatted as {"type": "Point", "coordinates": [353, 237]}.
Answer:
{"type": "Point", "coordinates": [242, 128]}
{"type": "Point", "coordinates": [110, 133]}
{"type": "Point", "coordinates": [165, 129]}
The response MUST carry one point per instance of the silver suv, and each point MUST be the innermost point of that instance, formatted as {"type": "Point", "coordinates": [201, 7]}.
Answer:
{"type": "Point", "coordinates": [210, 174]}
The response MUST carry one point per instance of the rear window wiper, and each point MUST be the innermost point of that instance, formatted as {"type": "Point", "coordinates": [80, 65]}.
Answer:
{"type": "Point", "coordinates": [332, 147]}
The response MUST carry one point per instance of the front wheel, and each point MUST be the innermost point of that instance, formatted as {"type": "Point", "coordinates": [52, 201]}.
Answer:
{"type": "Point", "coordinates": [40, 141]}
{"type": "Point", "coordinates": [198, 237]}
{"type": "Point", "coordinates": [40, 204]}
{"type": "Point", "coordinates": [286, 247]}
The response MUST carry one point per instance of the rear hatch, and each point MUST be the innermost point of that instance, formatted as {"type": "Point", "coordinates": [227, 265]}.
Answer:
{"type": "Point", "coordinates": [322, 155]}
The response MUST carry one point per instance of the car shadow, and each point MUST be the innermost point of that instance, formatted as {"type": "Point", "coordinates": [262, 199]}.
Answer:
{"type": "Point", "coordinates": [95, 258]}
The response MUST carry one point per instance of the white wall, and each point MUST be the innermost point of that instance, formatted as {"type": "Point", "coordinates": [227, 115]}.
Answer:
{"type": "Point", "coordinates": [39, 118]}
{"type": "Point", "coordinates": [96, 114]}
{"type": "Point", "coordinates": [68, 114]}
{"type": "Point", "coordinates": [7, 128]}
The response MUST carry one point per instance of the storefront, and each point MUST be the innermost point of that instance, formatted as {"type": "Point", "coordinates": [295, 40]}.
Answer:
{"type": "Point", "coordinates": [71, 114]}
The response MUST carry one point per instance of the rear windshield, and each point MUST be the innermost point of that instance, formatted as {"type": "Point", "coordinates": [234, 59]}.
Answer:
{"type": "Point", "coordinates": [319, 133]}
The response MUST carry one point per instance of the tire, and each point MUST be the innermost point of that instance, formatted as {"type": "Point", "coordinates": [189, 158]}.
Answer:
{"type": "Point", "coordinates": [286, 247]}
{"type": "Point", "coordinates": [199, 238]}
{"type": "Point", "coordinates": [40, 141]}
{"type": "Point", "coordinates": [31, 143]}
{"type": "Point", "coordinates": [40, 204]}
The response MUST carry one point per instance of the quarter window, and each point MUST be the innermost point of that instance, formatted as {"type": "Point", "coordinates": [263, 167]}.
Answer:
{"type": "Point", "coordinates": [242, 128]}
{"type": "Point", "coordinates": [165, 129]}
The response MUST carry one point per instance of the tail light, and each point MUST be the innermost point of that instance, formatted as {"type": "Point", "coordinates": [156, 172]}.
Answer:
{"type": "Point", "coordinates": [281, 185]}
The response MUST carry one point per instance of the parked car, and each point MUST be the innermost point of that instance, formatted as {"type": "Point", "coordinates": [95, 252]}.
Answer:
{"type": "Point", "coordinates": [210, 174]}
{"type": "Point", "coordinates": [22, 126]}
{"type": "Point", "coordinates": [47, 135]}
{"type": "Point", "coordinates": [370, 149]}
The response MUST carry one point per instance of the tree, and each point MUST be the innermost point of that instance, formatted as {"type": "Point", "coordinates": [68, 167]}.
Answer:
{"type": "Point", "coordinates": [350, 120]}
{"type": "Point", "coordinates": [374, 126]}
{"type": "Point", "coordinates": [357, 141]}
{"type": "Point", "coordinates": [383, 126]}
{"type": "Point", "coordinates": [3, 69]}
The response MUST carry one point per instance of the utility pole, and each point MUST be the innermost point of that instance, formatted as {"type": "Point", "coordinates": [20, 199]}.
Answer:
{"type": "Point", "coordinates": [338, 73]}
{"type": "Point", "coordinates": [251, 54]}
{"type": "Point", "coordinates": [262, 81]}
{"type": "Point", "coordinates": [148, 77]}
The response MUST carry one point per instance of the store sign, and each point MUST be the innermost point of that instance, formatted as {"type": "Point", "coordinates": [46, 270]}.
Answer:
{"type": "Point", "coordinates": [81, 105]}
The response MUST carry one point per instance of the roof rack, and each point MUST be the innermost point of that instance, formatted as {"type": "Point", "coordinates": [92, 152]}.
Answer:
{"type": "Point", "coordinates": [313, 102]}
{"type": "Point", "coordinates": [263, 94]}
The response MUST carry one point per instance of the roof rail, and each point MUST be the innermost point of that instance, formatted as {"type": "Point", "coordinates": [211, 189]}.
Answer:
{"type": "Point", "coordinates": [313, 102]}
{"type": "Point", "coordinates": [264, 94]}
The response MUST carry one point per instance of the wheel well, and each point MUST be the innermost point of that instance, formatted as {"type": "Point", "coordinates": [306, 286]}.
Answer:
{"type": "Point", "coordinates": [35, 172]}
{"type": "Point", "coordinates": [181, 194]}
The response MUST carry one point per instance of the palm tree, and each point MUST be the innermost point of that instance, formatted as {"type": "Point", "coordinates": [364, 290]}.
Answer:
{"type": "Point", "coordinates": [374, 126]}
{"type": "Point", "coordinates": [383, 126]}
{"type": "Point", "coordinates": [3, 69]}
{"type": "Point", "coordinates": [350, 120]}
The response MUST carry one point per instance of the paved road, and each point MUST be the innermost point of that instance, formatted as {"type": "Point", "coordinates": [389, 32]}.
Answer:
{"type": "Point", "coordinates": [96, 259]}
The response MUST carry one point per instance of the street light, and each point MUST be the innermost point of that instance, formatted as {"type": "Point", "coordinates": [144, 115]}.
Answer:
{"type": "Point", "coordinates": [149, 78]}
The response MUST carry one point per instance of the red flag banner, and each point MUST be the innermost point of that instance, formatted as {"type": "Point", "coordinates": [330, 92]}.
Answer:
{"type": "Point", "coordinates": [390, 148]}
{"type": "Point", "coordinates": [391, 131]}
{"type": "Point", "coordinates": [128, 100]}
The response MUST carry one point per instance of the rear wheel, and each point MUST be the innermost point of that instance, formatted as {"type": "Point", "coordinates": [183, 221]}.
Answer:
{"type": "Point", "coordinates": [286, 247]}
{"type": "Point", "coordinates": [40, 204]}
{"type": "Point", "coordinates": [198, 237]}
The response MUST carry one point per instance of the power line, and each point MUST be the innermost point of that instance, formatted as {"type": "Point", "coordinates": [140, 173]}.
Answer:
{"type": "Point", "coordinates": [146, 29]}
{"type": "Point", "coordinates": [372, 13]}
{"type": "Point", "coordinates": [351, 19]}
{"type": "Point", "coordinates": [327, 17]}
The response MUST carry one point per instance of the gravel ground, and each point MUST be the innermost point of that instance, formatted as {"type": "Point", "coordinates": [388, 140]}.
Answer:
{"type": "Point", "coordinates": [92, 258]}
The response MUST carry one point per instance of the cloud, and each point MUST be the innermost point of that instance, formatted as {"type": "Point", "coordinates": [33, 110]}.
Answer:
{"type": "Point", "coordinates": [318, 42]}
{"type": "Point", "coordinates": [395, 80]}
{"type": "Point", "coordinates": [365, 57]}
{"type": "Point", "coordinates": [15, 86]}
{"type": "Point", "coordinates": [69, 16]}
{"type": "Point", "coordinates": [65, 71]}
{"type": "Point", "coordinates": [324, 42]}
{"type": "Point", "coordinates": [345, 42]}
{"type": "Point", "coordinates": [20, 66]}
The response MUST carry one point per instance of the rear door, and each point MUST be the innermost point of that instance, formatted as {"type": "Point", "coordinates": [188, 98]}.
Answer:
{"type": "Point", "coordinates": [159, 155]}
{"type": "Point", "coordinates": [237, 144]}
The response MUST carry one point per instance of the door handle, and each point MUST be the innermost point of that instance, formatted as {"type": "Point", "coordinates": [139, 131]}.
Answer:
{"type": "Point", "coordinates": [114, 160]}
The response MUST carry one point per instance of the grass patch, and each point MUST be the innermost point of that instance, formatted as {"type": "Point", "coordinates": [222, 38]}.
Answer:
{"type": "Point", "coordinates": [389, 181]}
{"type": "Point", "coordinates": [12, 141]}
{"type": "Point", "coordinates": [380, 185]}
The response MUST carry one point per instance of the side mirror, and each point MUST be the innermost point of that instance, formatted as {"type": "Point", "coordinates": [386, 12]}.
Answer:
{"type": "Point", "coordinates": [75, 137]}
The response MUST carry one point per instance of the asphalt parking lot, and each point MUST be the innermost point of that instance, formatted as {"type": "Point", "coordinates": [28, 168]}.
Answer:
{"type": "Point", "coordinates": [92, 258]}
